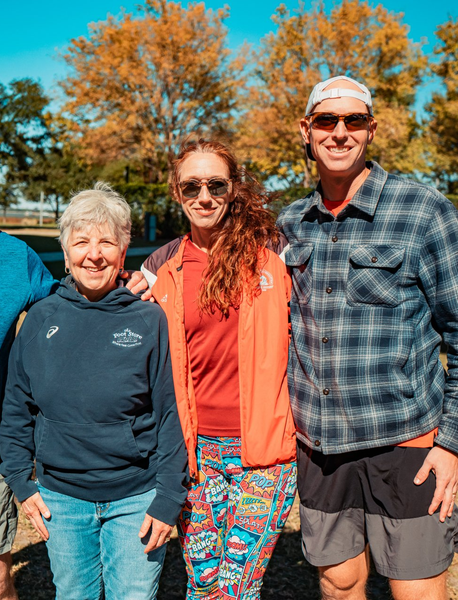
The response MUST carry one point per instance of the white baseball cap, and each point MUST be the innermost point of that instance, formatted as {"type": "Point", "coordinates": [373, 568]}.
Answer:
{"type": "Point", "coordinates": [319, 93]}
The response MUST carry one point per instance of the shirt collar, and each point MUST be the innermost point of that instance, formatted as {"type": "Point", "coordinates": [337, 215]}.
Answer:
{"type": "Point", "coordinates": [365, 199]}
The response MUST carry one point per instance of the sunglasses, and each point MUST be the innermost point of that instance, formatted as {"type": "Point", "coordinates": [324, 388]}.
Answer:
{"type": "Point", "coordinates": [328, 121]}
{"type": "Point", "coordinates": [216, 186]}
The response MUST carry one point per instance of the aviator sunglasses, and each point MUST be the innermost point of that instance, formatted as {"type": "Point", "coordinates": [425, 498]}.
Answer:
{"type": "Point", "coordinates": [328, 121]}
{"type": "Point", "coordinates": [216, 186]}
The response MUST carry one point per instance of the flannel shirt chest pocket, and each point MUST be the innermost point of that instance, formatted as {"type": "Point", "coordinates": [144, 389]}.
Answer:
{"type": "Point", "coordinates": [373, 276]}
{"type": "Point", "coordinates": [298, 259]}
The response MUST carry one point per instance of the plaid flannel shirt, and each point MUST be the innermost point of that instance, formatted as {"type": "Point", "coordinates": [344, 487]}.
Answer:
{"type": "Point", "coordinates": [373, 289]}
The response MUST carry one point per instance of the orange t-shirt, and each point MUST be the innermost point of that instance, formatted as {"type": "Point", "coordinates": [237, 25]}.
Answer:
{"type": "Point", "coordinates": [335, 206]}
{"type": "Point", "coordinates": [422, 441]}
{"type": "Point", "coordinates": [213, 349]}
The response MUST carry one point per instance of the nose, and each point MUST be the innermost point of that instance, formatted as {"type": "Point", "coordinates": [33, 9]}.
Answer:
{"type": "Point", "coordinates": [94, 251]}
{"type": "Point", "coordinates": [205, 195]}
{"type": "Point", "coordinates": [340, 130]}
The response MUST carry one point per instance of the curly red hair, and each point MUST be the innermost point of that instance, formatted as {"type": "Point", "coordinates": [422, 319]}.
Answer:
{"type": "Point", "coordinates": [234, 266]}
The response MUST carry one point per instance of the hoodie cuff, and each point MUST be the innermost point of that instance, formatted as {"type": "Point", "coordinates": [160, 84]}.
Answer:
{"type": "Point", "coordinates": [164, 509]}
{"type": "Point", "coordinates": [22, 488]}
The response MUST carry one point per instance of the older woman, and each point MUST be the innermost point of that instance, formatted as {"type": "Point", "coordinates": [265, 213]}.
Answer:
{"type": "Point", "coordinates": [90, 396]}
{"type": "Point", "coordinates": [225, 294]}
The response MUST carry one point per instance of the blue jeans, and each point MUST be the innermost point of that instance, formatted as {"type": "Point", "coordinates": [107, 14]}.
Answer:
{"type": "Point", "coordinates": [94, 547]}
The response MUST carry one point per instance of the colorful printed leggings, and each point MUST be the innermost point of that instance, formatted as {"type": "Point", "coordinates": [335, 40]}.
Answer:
{"type": "Point", "coordinates": [231, 521]}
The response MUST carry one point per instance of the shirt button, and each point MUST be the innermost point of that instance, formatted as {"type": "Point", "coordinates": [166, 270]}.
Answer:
{"type": "Point", "coordinates": [374, 259]}
{"type": "Point", "coordinates": [317, 443]}
{"type": "Point", "coordinates": [328, 290]}
{"type": "Point", "coordinates": [325, 340]}
{"type": "Point", "coordinates": [334, 238]}
{"type": "Point", "coordinates": [326, 391]}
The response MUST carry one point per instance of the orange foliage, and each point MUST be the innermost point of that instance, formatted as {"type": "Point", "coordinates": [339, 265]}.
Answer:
{"type": "Point", "coordinates": [138, 85]}
{"type": "Point", "coordinates": [353, 38]}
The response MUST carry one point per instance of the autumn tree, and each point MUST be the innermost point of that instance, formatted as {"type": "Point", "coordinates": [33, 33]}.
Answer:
{"type": "Point", "coordinates": [443, 109]}
{"type": "Point", "coordinates": [138, 85]}
{"type": "Point", "coordinates": [36, 155]}
{"type": "Point", "coordinates": [57, 173]}
{"type": "Point", "coordinates": [355, 39]}
{"type": "Point", "coordinates": [24, 133]}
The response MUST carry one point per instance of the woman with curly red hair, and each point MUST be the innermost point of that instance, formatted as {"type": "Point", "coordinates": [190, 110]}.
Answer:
{"type": "Point", "coordinates": [225, 291]}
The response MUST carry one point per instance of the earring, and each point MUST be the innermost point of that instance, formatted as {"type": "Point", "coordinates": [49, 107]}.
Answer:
{"type": "Point", "coordinates": [121, 270]}
{"type": "Point", "coordinates": [67, 271]}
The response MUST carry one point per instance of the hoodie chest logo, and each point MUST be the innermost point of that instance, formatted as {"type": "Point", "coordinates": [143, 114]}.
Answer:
{"type": "Point", "coordinates": [127, 338]}
{"type": "Point", "coordinates": [52, 330]}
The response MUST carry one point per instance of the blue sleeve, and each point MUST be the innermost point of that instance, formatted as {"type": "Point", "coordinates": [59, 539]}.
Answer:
{"type": "Point", "coordinates": [17, 424]}
{"type": "Point", "coordinates": [172, 458]}
{"type": "Point", "coordinates": [41, 281]}
{"type": "Point", "coordinates": [439, 278]}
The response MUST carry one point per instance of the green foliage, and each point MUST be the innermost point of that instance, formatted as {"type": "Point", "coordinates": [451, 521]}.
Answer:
{"type": "Point", "coordinates": [288, 196]}
{"type": "Point", "coordinates": [154, 198]}
{"type": "Point", "coordinates": [8, 197]}
{"type": "Point", "coordinates": [58, 174]}
{"type": "Point", "coordinates": [23, 130]}
{"type": "Point", "coordinates": [24, 133]}
{"type": "Point", "coordinates": [35, 153]}
{"type": "Point", "coordinates": [442, 129]}
{"type": "Point", "coordinates": [453, 198]}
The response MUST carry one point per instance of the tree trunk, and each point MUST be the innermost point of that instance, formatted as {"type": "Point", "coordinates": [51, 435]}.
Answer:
{"type": "Point", "coordinates": [56, 208]}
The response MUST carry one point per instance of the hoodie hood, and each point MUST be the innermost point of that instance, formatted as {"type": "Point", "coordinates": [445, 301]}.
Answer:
{"type": "Point", "coordinates": [115, 300]}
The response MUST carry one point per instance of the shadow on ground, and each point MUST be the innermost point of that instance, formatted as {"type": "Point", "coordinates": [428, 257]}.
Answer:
{"type": "Point", "coordinates": [289, 576]}
{"type": "Point", "coordinates": [33, 578]}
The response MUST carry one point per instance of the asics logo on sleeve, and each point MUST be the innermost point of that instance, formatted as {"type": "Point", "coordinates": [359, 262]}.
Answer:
{"type": "Point", "coordinates": [52, 330]}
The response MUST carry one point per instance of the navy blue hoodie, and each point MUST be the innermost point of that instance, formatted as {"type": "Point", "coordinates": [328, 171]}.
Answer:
{"type": "Point", "coordinates": [90, 395]}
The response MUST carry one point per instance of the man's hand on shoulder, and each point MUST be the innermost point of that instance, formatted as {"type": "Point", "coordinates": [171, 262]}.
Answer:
{"type": "Point", "coordinates": [444, 464]}
{"type": "Point", "coordinates": [136, 282]}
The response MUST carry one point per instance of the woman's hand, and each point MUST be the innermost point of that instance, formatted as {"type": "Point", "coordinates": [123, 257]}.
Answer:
{"type": "Point", "coordinates": [34, 508]}
{"type": "Point", "coordinates": [160, 532]}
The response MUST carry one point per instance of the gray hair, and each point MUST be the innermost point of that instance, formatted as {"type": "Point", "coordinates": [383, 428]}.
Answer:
{"type": "Point", "coordinates": [97, 207]}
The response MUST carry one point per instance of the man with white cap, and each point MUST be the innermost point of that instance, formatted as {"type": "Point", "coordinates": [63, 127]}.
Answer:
{"type": "Point", "coordinates": [374, 264]}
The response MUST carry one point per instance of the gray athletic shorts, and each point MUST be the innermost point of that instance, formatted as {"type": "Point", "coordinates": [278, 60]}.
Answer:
{"type": "Point", "coordinates": [8, 517]}
{"type": "Point", "coordinates": [368, 497]}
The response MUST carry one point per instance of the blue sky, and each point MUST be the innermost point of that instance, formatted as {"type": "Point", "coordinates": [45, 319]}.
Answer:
{"type": "Point", "coordinates": [33, 32]}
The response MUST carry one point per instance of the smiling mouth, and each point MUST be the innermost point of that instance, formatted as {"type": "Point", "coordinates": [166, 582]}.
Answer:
{"type": "Point", "coordinates": [94, 269]}
{"type": "Point", "coordinates": [338, 149]}
{"type": "Point", "coordinates": [205, 211]}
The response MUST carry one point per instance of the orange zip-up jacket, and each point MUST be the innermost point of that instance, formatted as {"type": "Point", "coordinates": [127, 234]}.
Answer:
{"type": "Point", "coordinates": [267, 425]}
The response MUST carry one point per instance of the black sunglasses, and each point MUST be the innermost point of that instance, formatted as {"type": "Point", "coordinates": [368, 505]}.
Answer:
{"type": "Point", "coordinates": [328, 121]}
{"type": "Point", "coordinates": [216, 186]}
